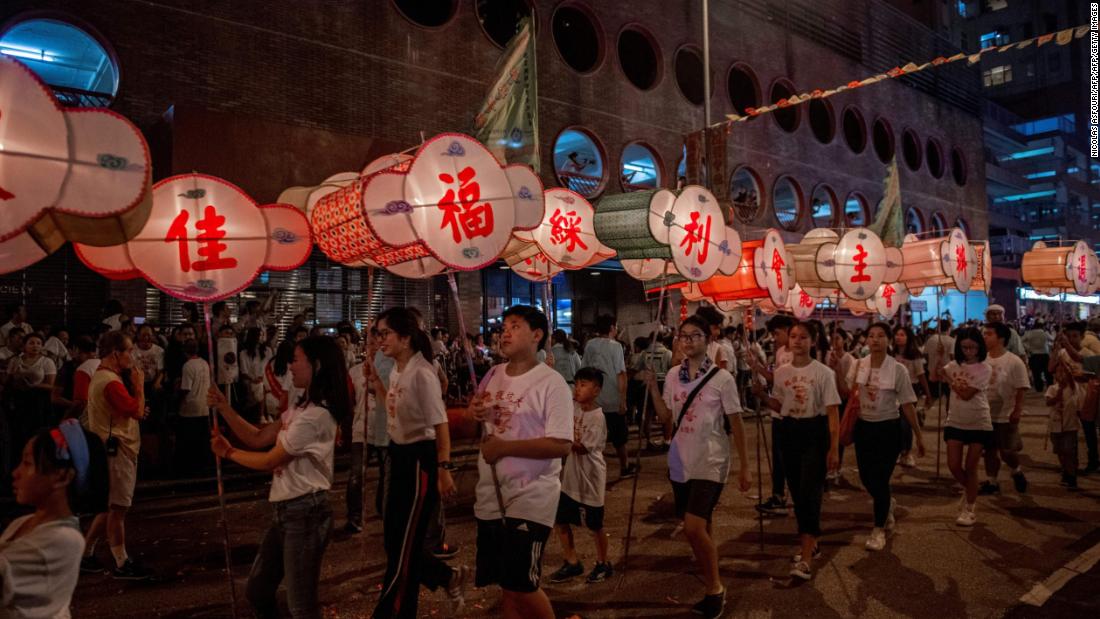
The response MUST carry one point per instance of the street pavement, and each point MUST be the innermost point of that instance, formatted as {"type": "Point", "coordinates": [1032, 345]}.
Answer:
{"type": "Point", "coordinates": [930, 567]}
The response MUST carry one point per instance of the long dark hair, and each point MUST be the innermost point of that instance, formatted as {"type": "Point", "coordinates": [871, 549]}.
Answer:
{"type": "Point", "coordinates": [252, 344]}
{"type": "Point", "coordinates": [404, 322]}
{"type": "Point", "coordinates": [91, 498]}
{"type": "Point", "coordinates": [328, 387]}
{"type": "Point", "coordinates": [969, 333]}
{"type": "Point", "coordinates": [284, 354]}
{"type": "Point", "coordinates": [911, 351]}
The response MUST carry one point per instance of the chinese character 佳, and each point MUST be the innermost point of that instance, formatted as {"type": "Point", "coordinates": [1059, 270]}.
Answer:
{"type": "Point", "coordinates": [697, 233]}
{"type": "Point", "coordinates": [209, 238]}
{"type": "Point", "coordinates": [467, 216]}
{"type": "Point", "coordinates": [566, 229]}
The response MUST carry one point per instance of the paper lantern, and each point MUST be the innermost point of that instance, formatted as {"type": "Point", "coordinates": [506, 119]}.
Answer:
{"type": "Point", "coordinates": [456, 200]}
{"type": "Point", "coordinates": [79, 175]}
{"type": "Point", "coordinates": [692, 293]}
{"type": "Point", "coordinates": [1062, 268]}
{"type": "Point", "coordinates": [206, 240]}
{"type": "Point", "coordinates": [774, 267]}
{"type": "Point", "coordinates": [800, 303]}
{"type": "Point", "coordinates": [889, 297]}
{"type": "Point", "coordinates": [566, 234]}
{"type": "Point", "coordinates": [687, 228]}
{"type": "Point", "coordinates": [1094, 283]}
{"type": "Point", "coordinates": [856, 263]}
{"type": "Point", "coordinates": [983, 279]}
{"type": "Point", "coordinates": [743, 284]}
{"type": "Point", "coordinates": [949, 261]}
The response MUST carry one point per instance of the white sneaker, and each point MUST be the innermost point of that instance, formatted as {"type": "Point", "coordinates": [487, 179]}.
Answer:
{"type": "Point", "coordinates": [891, 522]}
{"type": "Point", "coordinates": [456, 589]}
{"type": "Point", "coordinates": [877, 541]}
{"type": "Point", "coordinates": [909, 461]}
{"type": "Point", "coordinates": [966, 517]}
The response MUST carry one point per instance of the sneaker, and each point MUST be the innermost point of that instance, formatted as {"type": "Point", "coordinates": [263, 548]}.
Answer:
{"type": "Point", "coordinates": [600, 573]}
{"type": "Point", "coordinates": [966, 517]}
{"type": "Point", "coordinates": [1020, 482]}
{"type": "Point", "coordinates": [798, 555]}
{"type": "Point", "coordinates": [989, 487]}
{"type": "Point", "coordinates": [711, 606]}
{"type": "Point", "coordinates": [91, 565]}
{"type": "Point", "coordinates": [352, 528]}
{"type": "Point", "coordinates": [891, 521]}
{"type": "Point", "coordinates": [801, 570]}
{"type": "Point", "coordinates": [456, 589]}
{"type": "Point", "coordinates": [774, 506]}
{"type": "Point", "coordinates": [877, 541]}
{"type": "Point", "coordinates": [567, 571]}
{"type": "Point", "coordinates": [908, 461]}
{"type": "Point", "coordinates": [629, 471]}
{"type": "Point", "coordinates": [132, 571]}
{"type": "Point", "coordinates": [445, 551]}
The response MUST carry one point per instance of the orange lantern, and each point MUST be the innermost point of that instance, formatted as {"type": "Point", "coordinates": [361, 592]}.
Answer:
{"type": "Point", "coordinates": [949, 261]}
{"type": "Point", "coordinates": [983, 279]}
{"type": "Point", "coordinates": [742, 284]}
{"type": "Point", "coordinates": [1060, 268]}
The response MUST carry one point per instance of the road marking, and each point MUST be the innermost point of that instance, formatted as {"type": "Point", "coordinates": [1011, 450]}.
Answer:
{"type": "Point", "coordinates": [1041, 592]}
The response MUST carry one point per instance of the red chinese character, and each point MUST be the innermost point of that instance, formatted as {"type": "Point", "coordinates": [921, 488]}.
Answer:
{"type": "Point", "coordinates": [805, 300]}
{"type": "Point", "coordinates": [566, 228]}
{"type": "Point", "coordinates": [960, 259]}
{"type": "Point", "coordinates": [467, 216]}
{"type": "Point", "coordinates": [209, 237]}
{"type": "Point", "coordinates": [861, 266]}
{"type": "Point", "coordinates": [777, 266]}
{"type": "Point", "coordinates": [697, 233]}
{"type": "Point", "coordinates": [5, 194]}
{"type": "Point", "coordinates": [1082, 275]}
{"type": "Point", "coordinates": [888, 294]}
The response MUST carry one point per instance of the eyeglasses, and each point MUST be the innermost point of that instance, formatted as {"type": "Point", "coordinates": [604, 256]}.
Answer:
{"type": "Point", "coordinates": [687, 337]}
{"type": "Point", "coordinates": [384, 333]}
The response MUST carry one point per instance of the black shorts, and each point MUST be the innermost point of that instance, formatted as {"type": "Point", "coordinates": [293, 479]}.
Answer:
{"type": "Point", "coordinates": [697, 497]}
{"type": "Point", "coordinates": [984, 438]}
{"type": "Point", "coordinates": [616, 428]}
{"type": "Point", "coordinates": [510, 554]}
{"type": "Point", "coordinates": [574, 512]}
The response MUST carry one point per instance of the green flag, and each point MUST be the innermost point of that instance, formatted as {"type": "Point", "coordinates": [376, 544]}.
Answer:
{"type": "Point", "coordinates": [508, 121]}
{"type": "Point", "coordinates": [889, 222]}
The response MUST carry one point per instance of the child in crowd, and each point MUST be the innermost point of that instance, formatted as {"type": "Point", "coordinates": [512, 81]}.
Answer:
{"type": "Point", "coordinates": [1066, 399]}
{"type": "Point", "coordinates": [583, 478]}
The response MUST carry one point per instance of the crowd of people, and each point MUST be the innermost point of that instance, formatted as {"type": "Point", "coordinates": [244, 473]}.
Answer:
{"type": "Point", "coordinates": [75, 409]}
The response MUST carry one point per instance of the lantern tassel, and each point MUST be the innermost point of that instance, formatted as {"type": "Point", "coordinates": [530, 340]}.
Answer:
{"type": "Point", "coordinates": [212, 424]}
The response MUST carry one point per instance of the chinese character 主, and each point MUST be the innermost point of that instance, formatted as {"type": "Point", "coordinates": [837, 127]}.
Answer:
{"type": "Point", "coordinates": [697, 233]}
{"type": "Point", "coordinates": [209, 237]}
{"type": "Point", "coordinates": [566, 229]}
{"type": "Point", "coordinates": [861, 266]}
{"type": "Point", "coordinates": [467, 216]}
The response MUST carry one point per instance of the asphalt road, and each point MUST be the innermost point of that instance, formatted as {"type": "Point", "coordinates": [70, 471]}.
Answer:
{"type": "Point", "coordinates": [930, 568]}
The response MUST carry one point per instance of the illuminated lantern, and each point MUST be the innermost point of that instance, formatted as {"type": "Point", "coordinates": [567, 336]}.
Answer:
{"type": "Point", "coordinates": [692, 293]}
{"type": "Point", "coordinates": [1094, 284]}
{"type": "Point", "coordinates": [949, 261]}
{"type": "Point", "coordinates": [687, 228]}
{"type": "Point", "coordinates": [1062, 268]}
{"type": "Point", "coordinates": [79, 175]}
{"type": "Point", "coordinates": [206, 240]}
{"type": "Point", "coordinates": [983, 279]}
{"type": "Point", "coordinates": [742, 284]}
{"type": "Point", "coordinates": [888, 298]}
{"type": "Point", "coordinates": [774, 267]}
{"type": "Point", "coordinates": [566, 234]}
{"type": "Point", "coordinates": [856, 263]}
{"type": "Point", "coordinates": [800, 303]}
{"type": "Point", "coordinates": [455, 200]}
{"type": "Point", "coordinates": [805, 256]}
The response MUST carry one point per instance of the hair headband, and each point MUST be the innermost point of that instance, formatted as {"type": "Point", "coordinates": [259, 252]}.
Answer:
{"type": "Point", "coordinates": [72, 447]}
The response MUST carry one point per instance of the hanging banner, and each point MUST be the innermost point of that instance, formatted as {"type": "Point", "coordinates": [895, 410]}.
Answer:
{"type": "Point", "coordinates": [508, 121]}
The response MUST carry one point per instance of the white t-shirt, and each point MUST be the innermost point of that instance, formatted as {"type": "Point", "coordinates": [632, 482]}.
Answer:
{"type": "Point", "coordinates": [723, 350]}
{"type": "Point", "coordinates": [844, 367]}
{"type": "Point", "coordinates": [89, 367]}
{"type": "Point", "coordinates": [151, 361]}
{"type": "Point", "coordinates": [915, 367]}
{"type": "Point", "coordinates": [783, 356]}
{"type": "Point", "coordinates": [1064, 415]}
{"type": "Point", "coordinates": [309, 434]}
{"type": "Point", "coordinates": [253, 367]}
{"type": "Point", "coordinates": [940, 349]}
{"type": "Point", "coordinates": [414, 402]}
{"type": "Point", "coordinates": [585, 475]}
{"type": "Point", "coordinates": [195, 380]}
{"type": "Point", "coordinates": [972, 414]}
{"type": "Point", "coordinates": [38, 572]}
{"type": "Point", "coordinates": [8, 326]}
{"type": "Point", "coordinates": [607, 355]}
{"type": "Point", "coordinates": [32, 373]}
{"type": "Point", "coordinates": [701, 447]}
{"type": "Point", "coordinates": [882, 390]}
{"type": "Point", "coordinates": [1009, 375]}
{"type": "Point", "coordinates": [362, 395]}
{"type": "Point", "coordinates": [56, 350]}
{"type": "Point", "coordinates": [114, 321]}
{"type": "Point", "coordinates": [805, 392]}
{"type": "Point", "coordinates": [536, 404]}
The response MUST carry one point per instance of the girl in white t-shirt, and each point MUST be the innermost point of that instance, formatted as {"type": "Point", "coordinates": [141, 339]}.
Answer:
{"type": "Point", "coordinates": [884, 388]}
{"type": "Point", "coordinates": [969, 425]}
{"type": "Point", "coordinates": [418, 466]}
{"type": "Point", "coordinates": [298, 450]}
{"type": "Point", "coordinates": [62, 470]}
{"type": "Point", "coordinates": [907, 353]}
{"type": "Point", "coordinates": [806, 397]}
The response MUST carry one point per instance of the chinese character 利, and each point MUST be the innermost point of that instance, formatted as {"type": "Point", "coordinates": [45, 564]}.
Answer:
{"type": "Point", "coordinates": [697, 233]}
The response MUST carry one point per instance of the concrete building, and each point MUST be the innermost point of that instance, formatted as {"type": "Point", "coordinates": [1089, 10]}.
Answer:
{"type": "Point", "coordinates": [275, 94]}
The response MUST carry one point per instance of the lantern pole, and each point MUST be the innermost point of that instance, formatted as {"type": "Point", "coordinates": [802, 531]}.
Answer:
{"type": "Point", "coordinates": [212, 424]}
{"type": "Point", "coordinates": [641, 438]}
{"type": "Point", "coordinates": [473, 380]}
{"type": "Point", "coordinates": [939, 395]}
{"type": "Point", "coordinates": [759, 439]}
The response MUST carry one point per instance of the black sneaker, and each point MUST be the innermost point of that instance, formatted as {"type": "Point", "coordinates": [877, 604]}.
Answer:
{"type": "Point", "coordinates": [774, 506]}
{"type": "Point", "coordinates": [132, 571]}
{"type": "Point", "coordinates": [629, 471]}
{"type": "Point", "coordinates": [567, 571]}
{"type": "Point", "coordinates": [445, 551]}
{"type": "Point", "coordinates": [91, 565]}
{"type": "Point", "coordinates": [600, 573]}
{"type": "Point", "coordinates": [988, 487]}
{"type": "Point", "coordinates": [711, 606]}
{"type": "Point", "coordinates": [1020, 482]}
{"type": "Point", "coordinates": [352, 528]}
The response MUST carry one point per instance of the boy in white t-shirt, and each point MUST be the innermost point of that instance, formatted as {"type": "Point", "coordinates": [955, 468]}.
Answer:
{"type": "Point", "coordinates": [526, 409]}
{"type": "Point", "coordinates": [583, 479]}
{"type": "Point", "coordinates": [1066, 399]}
{"type": "Point", "coordinates": [1007, 386]}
